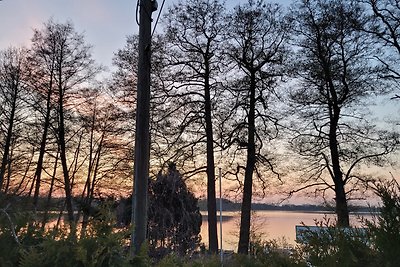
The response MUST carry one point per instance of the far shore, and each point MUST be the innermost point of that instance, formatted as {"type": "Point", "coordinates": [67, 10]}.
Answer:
{"type": "Point", "coordinates": [228, 205]}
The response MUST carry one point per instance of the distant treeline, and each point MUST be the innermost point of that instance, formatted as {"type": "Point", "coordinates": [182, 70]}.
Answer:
{"type": "Point", "coordinates": [228, 205]}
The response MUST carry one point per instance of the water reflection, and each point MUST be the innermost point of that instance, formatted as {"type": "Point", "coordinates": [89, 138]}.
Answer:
{"type": "Point", "coordinates": [270, 224]}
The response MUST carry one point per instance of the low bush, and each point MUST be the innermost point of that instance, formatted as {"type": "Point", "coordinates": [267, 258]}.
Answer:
{"type": "Point", "coordinates": [385, 228]}
{"type": "Point", "coordinates": [333, 246]}
{"type": "Point", "coordinates": [25, 244]}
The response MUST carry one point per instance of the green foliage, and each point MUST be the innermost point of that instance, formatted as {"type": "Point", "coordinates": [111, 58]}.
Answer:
{"type": "Point", "coordinates": [142, 259]}
{"type": "Point", "coordinates": [202, 262]}
{"type": "Point", "coordinates": [101, 245]}
{"type": "Point", "coordinates": [170, 261]}
{"type": "Point", "coordinates": [377, 245]}
{"type": "Point", "coordinates": [386, 231]}
{"type": "Point", "coordinates": [274, 253]}
{"type": "Point", "coordinates": [16, 229]}
{"type": "Point", "coordinates": [335, 246]}
{"type": "Point", "coordinates": [173, 260]}
{"type": "Point", "coordinates": [9, 250]}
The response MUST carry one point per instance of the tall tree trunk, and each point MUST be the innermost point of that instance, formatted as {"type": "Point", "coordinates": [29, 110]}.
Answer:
{"type": "Point", "coordinates": [39, 166]}
{"type": "Point", "coordinates": [63, 156]}
{"type": "Point", "coordinates": [90, 191]}
{"type": "Point", "coordinates": [245, 216]}
{"type": "Point", "coordinates": [86, 190]}
{"type": "Point", "coordinates": [7, 144]}
{"type": "Point", "coordinates": [74, 167]}
{"type": "Point", "coordinates": [342, 210]}
{"type": "Point", "coordinates": [53, 178]}
{"type": "Point", "coordinates": [211, 200]}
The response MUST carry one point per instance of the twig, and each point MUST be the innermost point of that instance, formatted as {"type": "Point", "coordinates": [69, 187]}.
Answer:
{"type": "Point", "coordinates": [11, 223]}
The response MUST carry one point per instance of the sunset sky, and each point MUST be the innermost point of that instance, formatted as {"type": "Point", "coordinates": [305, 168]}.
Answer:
{"type": "Point", "coordinates": [105, 23]}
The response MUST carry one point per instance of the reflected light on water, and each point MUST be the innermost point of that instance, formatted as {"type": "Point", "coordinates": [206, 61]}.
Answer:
{"type": "Point", "coordinates": [271, 224]}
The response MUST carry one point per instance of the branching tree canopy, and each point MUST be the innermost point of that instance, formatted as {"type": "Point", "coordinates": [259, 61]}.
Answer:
{"type": "Point", "coordinates": [123, 90]}
{"type": "Point", "coordinates": [13, 72]}
{"type": "Point", "coordinates": [256, 34]}
{"type": "Point", "coordinates": [334, 79]}
{"type": "Point", "coordinates": [66, 64]}
{"type": "Point", "coordinates": [217, 81]}
{"type": "Point", "coordinates": [384, 26]}
{"type": "Point", "coordinates": [193, 38]}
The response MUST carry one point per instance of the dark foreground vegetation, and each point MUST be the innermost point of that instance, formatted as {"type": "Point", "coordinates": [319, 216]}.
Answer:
{"type": "Point", "coordinates": [25, 243]}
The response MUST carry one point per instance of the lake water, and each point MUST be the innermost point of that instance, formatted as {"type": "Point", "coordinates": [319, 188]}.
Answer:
{"type": "Point", "coordinates": [271, 224]}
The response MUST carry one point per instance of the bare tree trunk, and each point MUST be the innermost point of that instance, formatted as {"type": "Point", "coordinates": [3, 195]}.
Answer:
{"type": "Point", "coordinates": [74, 165]}
{"type": "Point", "coordinates": [86, 190]}
{"type": "Point", "coordinates": [245, 216]}
{"type": "Point", "coordinates": [39, 166]}
{"type": "Point", "coordinates": [53, 178]}
{"type": "Point", "coordinates": [7, 143]}
{"type": "Point", "coordinates": [342, 210]}
{"type": "Point", "coordinates": [63, 157]}
{"type": "Point", "coordinates": [211, 201]}
{"type": "Point", "coordinates": [91, 184]}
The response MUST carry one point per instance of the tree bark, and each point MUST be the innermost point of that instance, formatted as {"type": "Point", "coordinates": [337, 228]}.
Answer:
{"type": "Point", "coordinates": [245, 216]}
{"type": "Point", "coordinates": [211, 199]}
{"type": "Point", "coordinates": [63, 152]}
{"type": "Point", "coordinates": [9, 170]}
{"type": "Point", "coordinates": [7, 143]}
{"type": "Point", "coordinates": [342, 211]}
{"type": "Point", "coordinates": [87, 188]}
{"type": "Point", "coordinates": [39, 166]}
{"type": "Point", "coordinates": [91, 184]}
{"type": "Point", "coordinates": [53, 178]}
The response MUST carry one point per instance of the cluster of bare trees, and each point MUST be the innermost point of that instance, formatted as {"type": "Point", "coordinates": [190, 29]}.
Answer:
{"type": "Point", "coordinates": [228, 87]}
{"type": "Point", "coordinates": [236, 81]}
{"type": "Point", "coordinates": [61, 133]}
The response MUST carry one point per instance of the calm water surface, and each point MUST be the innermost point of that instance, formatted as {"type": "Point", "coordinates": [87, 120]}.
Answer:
{"type": "Point", "coordinates": [271, 224]}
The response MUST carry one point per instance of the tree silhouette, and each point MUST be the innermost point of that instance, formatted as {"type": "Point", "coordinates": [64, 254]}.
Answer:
{"type": "Point", "coordinates": [69, 66]}
{"type": "Point", "coordinates": [193, 36]}
{"type": "Point", "coordinates": [13, 72]}
{"type": "Point", "coordinates": [174, 219]}
{"type": "Point", "coordinates": [335, 78]}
